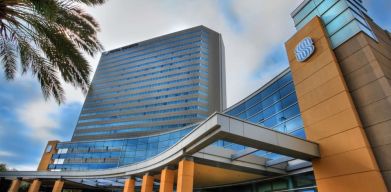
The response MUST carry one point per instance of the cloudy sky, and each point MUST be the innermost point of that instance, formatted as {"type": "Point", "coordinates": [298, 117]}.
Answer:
{"type": "Point", "coordinates": [254, 32]}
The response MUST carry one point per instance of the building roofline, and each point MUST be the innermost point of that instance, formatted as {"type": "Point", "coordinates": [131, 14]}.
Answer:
{"type": "Point", "coordinates": [305, 2]}
{"type": "Point", "coordinates": [300, 7]}
{"type": "Point", "coordinates": [154, 38]}
{"type": "Point", "coordinates": [264, 86]}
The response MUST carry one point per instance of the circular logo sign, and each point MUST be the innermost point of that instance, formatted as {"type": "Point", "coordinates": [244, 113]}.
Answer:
{"type": "Point", "coordinates": [304, 49]}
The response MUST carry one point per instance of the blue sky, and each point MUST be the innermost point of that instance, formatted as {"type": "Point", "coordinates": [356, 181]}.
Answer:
{"type": "Point", "coordinates": [254, 48]}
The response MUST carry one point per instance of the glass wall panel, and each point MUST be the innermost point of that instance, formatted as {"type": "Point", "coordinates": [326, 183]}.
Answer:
{"type": "Point", "coordinates": [304, 182]}
{"type": "Point", "coordinates": [273, 106]}
{"type": "Point", "coordinates": [336, 15]}
{"type": "Point", "coordinates": [113, 153]}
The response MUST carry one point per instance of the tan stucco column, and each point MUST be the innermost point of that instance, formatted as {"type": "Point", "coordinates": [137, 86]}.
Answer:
{"type": "Point", "coordinates": [147, 184]}
{"type": "Point", "coordinates": [167, 180]}
{"type": "Point", "coordinates": [185, 176]}
{"type": "Point", "coordinates": [330, 117]}
{"type": "Point", "coordinates": [15, 185]}
{"type": "Point", "coordinates": [58, 185]}
{"type": "Point", "coordinates": [34, 186]}
{"type": "Point", "coordinates": [129, 185]}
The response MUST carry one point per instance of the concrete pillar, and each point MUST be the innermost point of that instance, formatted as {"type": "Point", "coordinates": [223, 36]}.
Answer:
{"type": "Point", "coordinates": [147, 184]}
{"type": "Point", "coordinates": [15, 185]}
{"type": "Point", "coordinates": [167, 180]}
{"type": "Point", "coordinates": [185, 176]}
{"type": "Point", "coordinates": [34, 186]}
{"type": "Point", "coordinates": [58, 185]}
{"type": "Point", "coordinates": [129, 185]}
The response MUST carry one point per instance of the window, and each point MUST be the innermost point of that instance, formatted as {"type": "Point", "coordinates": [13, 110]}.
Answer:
{"type": "Point", "coordinates": [48, 148]}
{"type": "Point", "coordinates": [303, 180]}
{"type": "Point", "coordinates": [63, 151]}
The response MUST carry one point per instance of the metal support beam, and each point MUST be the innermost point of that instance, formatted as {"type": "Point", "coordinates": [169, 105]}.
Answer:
{"type": "Point", "coordinates": [243, 153]}
{"type": "Point", "coordinates": [278, 161]}
{"type": "Point", "coordinates": [262, 138]}
{"type": "Point", "coordinates": [252, 164]}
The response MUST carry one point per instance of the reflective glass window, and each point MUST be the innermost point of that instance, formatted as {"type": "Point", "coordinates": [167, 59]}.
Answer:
{"type": "Point", "coordinates": [256, 118]}
{"type": "Point", "coordinates": [286, 90]}
{"type": "Point", "coordinates": [299, 133]}
{"type": "Point", "coordinates": [277, 107]}
{"type": "Point", "coordinates": [285, 79]}
{"type": "Point", "coordinates": [255, 109]}
{"type": "Point", "coordinates": [269, 90]}
{"type": "Point", "coordinates": [307, 9]}
{"type": "Point", "coordinates": [334, 11]}
{"type": "Point", "coordinates": [253, 100]}
{"type": "Point", "coordinates": [343, 19]}
{"type": "Point", "coordinates": [292, 111]}
{"type": "Point", "coordinates": [272, 99]}
{"type": "Point", "coordinates": [289, 100]}
{"type": "Point", "coordinates": [325, 5]}
{"type": "Point", "coordinates": [293, 124]}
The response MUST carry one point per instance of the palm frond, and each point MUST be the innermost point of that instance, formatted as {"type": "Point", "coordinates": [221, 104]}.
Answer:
{"type": "Point", "coordinates": [45, 72]}
{"type": "Point", "coordinates": [87, 2]}
{"type": "Point", "coordinates": [8, 58]}
{"type": "Point", "coordinates": [50, 84]}
{"type": "Point", "coordinates": [49, 38]}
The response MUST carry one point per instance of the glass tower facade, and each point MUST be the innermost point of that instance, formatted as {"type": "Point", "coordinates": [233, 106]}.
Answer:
{"type": "Point", "coordinates": [144, 97]}
{"type": "Point", "coordinates": [273, 106]}
{"type": "Point", "coordinates": [151, 87]}
{"type": "Point", "coordinates": [343, 19]}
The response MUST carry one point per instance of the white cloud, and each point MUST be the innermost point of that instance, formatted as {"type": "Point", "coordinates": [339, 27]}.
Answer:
{"type": "Point", "coordinates": [22, 167]}
{"type": "Point", "coordinates": [266, 24]}
{"type": "Point", "coordinates": [6, 154]}
{"type": "Point", "coordinates": [40, 118]}
{"type": "Point", "coordinates": [72, 94]}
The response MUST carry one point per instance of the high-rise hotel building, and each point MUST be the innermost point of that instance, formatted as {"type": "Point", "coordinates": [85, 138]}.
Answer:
{"type": "Point", "coordinates": [159, 85]}
{"type": "Point", "coordinates": [144, 97]}
{"type": "Point", "coordinates": [323, 124]}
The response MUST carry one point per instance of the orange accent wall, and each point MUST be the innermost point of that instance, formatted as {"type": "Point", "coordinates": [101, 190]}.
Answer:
{"type": "Point", "coordinates": [47, 156]}
{"type": "Point", "coordinates": [330, 118]}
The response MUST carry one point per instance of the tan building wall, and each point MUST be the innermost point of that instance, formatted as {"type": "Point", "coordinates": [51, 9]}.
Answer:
{"type": "Point", "coordinates": [366, 66]}
{"type": "Point", "coordinates": [330, 118]}
{"type": "Point", "coordinates": [47, 155]}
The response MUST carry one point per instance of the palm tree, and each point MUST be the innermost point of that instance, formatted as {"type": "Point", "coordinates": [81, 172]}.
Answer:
{"type": "Point", "coordinates": [3, 167]}
{"type": "Point", "coordinates": [50, 39]}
